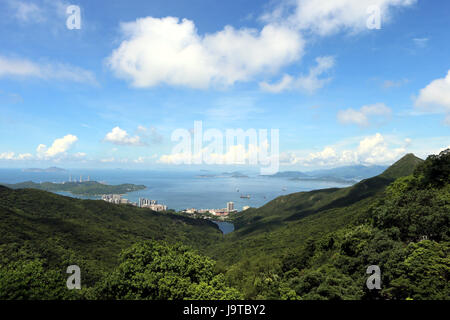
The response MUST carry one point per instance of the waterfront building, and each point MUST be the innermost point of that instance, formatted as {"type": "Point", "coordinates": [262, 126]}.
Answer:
{"type": "Point", "coordinates": [113, 198]}
{"type": "Point", "coordinates": [152, 204]}
{"type": "Point", "coordinates": [145, 203]}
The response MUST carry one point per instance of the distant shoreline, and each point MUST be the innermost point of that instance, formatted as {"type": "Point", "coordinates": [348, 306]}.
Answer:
{"type": "Point", "coordinates": [86, 188]}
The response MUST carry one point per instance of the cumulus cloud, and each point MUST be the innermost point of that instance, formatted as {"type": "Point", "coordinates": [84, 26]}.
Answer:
{"type": "Point", "coordinates": [23, 68]}
{"type": "Point", "coordinates": [120, 137]}
{"type": "Point", "coordinates": [370, 150]}
{"type": "Point", "coordinates": [307, 83]}
{"type": "Point", "coordinates": [330, 17]}
{"type": "Point", "coordinates": [169, 51]}
{"type": "Point", "coordinates": [363, 116]}
{"type": "Point", "coordinates": [12, 156]}
{"type": "Point", "coordinates": [236, 154]}
{"type": "Point", "coordinates": [59, 147]}
{"type": "Point", "coordinates": [435, 97]}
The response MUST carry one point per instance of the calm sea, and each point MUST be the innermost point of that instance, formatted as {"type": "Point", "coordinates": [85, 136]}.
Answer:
{"type": "Point", "coordinates": [181, 190]}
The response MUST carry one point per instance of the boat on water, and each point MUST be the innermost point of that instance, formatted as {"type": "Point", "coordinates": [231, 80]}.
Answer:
{"type": "Point", "coordinates": [245, 196]}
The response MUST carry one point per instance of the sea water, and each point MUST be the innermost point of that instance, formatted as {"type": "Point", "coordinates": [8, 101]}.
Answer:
{"type": "Point", "coordinates": [181, 190]}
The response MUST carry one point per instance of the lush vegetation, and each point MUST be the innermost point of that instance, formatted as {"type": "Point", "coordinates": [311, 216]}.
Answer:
{"type": "Point", "coordinates": [87, 188]}
{"type": "Point", "coordinates": [153, 270]}
{"type": "Point", "coordinates": [294, 252]}
{"type": "Point", "coordinates": [52, 231]}
{"type": "Point", "coordinates": [309, 245]}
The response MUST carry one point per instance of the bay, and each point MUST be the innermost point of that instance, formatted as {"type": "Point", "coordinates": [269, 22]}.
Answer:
{"type": "Point", "coordinates": [182, 189]}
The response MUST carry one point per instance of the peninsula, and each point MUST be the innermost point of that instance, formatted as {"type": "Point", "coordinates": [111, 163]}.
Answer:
{"type": "Point", "coordinates": [87, 188]}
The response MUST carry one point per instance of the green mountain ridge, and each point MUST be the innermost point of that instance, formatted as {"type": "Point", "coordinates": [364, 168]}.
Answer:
{"type": "Point", "coordinates": [308, 245]}
{"type": "Point", "coordinates": [299, 205]}
{"type": "Point", "coordinates": [94, 229]}
{"type": "Point", "coordinates": [403, 167]}
{"type": "Point", "coordinates": [318, 244]}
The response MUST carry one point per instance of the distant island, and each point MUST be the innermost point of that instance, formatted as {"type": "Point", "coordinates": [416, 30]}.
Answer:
{"type": "Point", "coordinates": [235, 174]}
{"type": "Point", "coordinates": [87, 188]}
{"type": "Point", "coordinates": [51, 169]}
{"type": "Point", "coordinates": [346, 174]}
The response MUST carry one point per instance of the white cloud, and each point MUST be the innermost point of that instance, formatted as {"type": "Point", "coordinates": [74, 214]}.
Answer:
{"type": "Point", "coordinates": [79, 155]}
{"type": "Point", "coordinates": [362, 116]}
{"type": "Point", "coordinates": [26, 12]}
{"type": "Point", "coordinates": [236, 154]}
{"type": "Point", "coordinates": [420, 42]}
{"type": "Point", "coordinates": [12, 156]}
{"type": "Point", "coordinates": [308, 83]}
{"type": "Point", "coordinates": [119, 136]}
{"type": "Point", "coordinates": [13, 67]}
{"type": "Point", "coordinates": [150, 134]}
{"type": "Point", "coordinates": [447, 120]}
{"type": "Point", "coordinates": [7, 155]}
{"type": "Point", "coordinates": [141, 159]}
{"type": "Point", "coordinates": [59, 147]}
{"type": "Point", "coordinates": [435, 97]}
{"type": "Point", "coordinates": [107, 160]}
{"type": "Point", "coordinates": [284, 84]}
{"type": "Point", "coordinates": [330, 17]}
{"type": "Point", "coordinates": [370, 150]}
{"type": "Point", "coordinates": [394, 83]}
{"type": "Point", "coordinates": [169, 51]}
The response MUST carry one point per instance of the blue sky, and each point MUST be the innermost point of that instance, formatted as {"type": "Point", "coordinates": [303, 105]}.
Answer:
{"type": "Point", "coordinates": [111, 93]}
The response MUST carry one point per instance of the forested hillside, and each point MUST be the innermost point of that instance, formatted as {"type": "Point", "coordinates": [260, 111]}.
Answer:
{"type": "Point", "coordinates": [60, 231]}
{"type": "Point", "coordinates": [317, 245]}
{"type": "Point", "coordinates": [310, 245]}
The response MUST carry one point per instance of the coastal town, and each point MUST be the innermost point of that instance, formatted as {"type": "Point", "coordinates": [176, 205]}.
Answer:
{"type": "Point", "coordinates": [218, 213]}
{"type": "Point", "coordinates": [221, 213]}
{"type": "Point", "coordinates": [143, 203]}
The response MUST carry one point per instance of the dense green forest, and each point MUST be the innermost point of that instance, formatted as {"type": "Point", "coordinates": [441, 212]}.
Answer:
{"type": "Point", "coordinates": [308, 245]}
{"type": "Point", "coordinates": [88, 188]}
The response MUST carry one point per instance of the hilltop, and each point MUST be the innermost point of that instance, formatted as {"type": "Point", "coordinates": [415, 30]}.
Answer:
{"type": "Point", "coordinates": [299, 205]}
{"type": "Point", "coordinates": [318, 244]}
{"type": "Point", "coordinates": [308, 245]}
{"type": "Point", "coordinates": [403, 167]}
{"type": "Point", "coordinates": [340, 174]}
